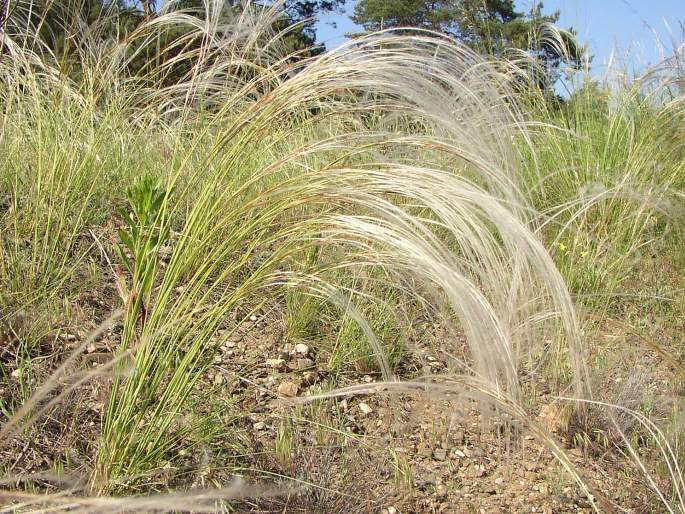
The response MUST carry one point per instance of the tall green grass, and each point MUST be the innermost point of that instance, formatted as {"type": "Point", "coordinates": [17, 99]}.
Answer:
{"type": "Point", "coordinates": [401, 156]}
{"type": "Point", "coordinates": [612, 170]}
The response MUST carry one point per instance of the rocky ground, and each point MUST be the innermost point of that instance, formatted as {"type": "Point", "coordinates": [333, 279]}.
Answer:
{"type": "Point", "coordinates": [373, 453]}
{"type": "Point", "coordinates": [401, 454]}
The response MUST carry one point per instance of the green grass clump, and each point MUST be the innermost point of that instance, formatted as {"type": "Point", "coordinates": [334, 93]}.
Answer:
{"type": "Point", "coordinates": [611, 170]}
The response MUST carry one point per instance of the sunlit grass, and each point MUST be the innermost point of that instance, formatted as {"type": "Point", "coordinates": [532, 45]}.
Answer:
{"type": "Point", "coordinates": [394, 178]}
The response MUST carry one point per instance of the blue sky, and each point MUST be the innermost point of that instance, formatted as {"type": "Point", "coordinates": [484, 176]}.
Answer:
{"type": "Point", "coordinates": [610, 27]}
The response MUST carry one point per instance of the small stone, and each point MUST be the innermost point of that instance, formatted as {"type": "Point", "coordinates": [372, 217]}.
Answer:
{"type": "Point", "coordinates": [260, 425]}
{"type": "Point", "coordinates": [253, 318]}
{"type": "Point", "coordinates": [499, 481]}
{"type": "Point", "coordinates": [218, 379]}
{"type": "Point", "coordinates": [459, 453]}
{"type": "Point", "coordinates": [304, 363]}
{"type": "Point", "coordinates": [91, 348]}
{"type": "Point", "coordinates": [367, 379]}
{"type": "Point", "coordinates": [275, 363]}
{"type": "Point", "coordinates": [64, 336]}
{"type": "Point", "coordinates": [301, 349]}
{"type": "Point", "coordinates": [366, 410]}
{"type": "Point", "coordinates": [391, 510]}
{"type": "Point", "coordinates": [288, 388]}
{"type": "Point", "coordinates": [16, 373]}
{"type": "Point", "coordinates": [440, 454]}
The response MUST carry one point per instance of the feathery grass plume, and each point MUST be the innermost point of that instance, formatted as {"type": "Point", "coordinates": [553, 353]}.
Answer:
{"type": "Point", "coordinates": [394, 152]}
{"type": "Point", "coordinates": [206, 500]}
{"type": "Point", "coordinates": [275, 184]}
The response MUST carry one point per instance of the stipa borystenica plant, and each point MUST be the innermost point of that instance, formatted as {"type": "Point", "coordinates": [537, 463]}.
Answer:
{"type": "Point", "coordinates": [394, 156]}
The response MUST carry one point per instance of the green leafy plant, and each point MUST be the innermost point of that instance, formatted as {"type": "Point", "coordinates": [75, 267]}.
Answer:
{"type": "Point", "coordinates": [145, 232]}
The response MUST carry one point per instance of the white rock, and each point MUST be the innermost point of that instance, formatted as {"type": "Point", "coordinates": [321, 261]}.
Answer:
{"type": "Point", "coordinates": [16, 373]}
{"type": "Point", "coordinates": [366, 410]}
{"type": "Point", "coordinates": [253, 318]}
{"type": "Point", "coordinates": [260, 425]}
{"type": "Point", "coordinates": [301, 349]}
